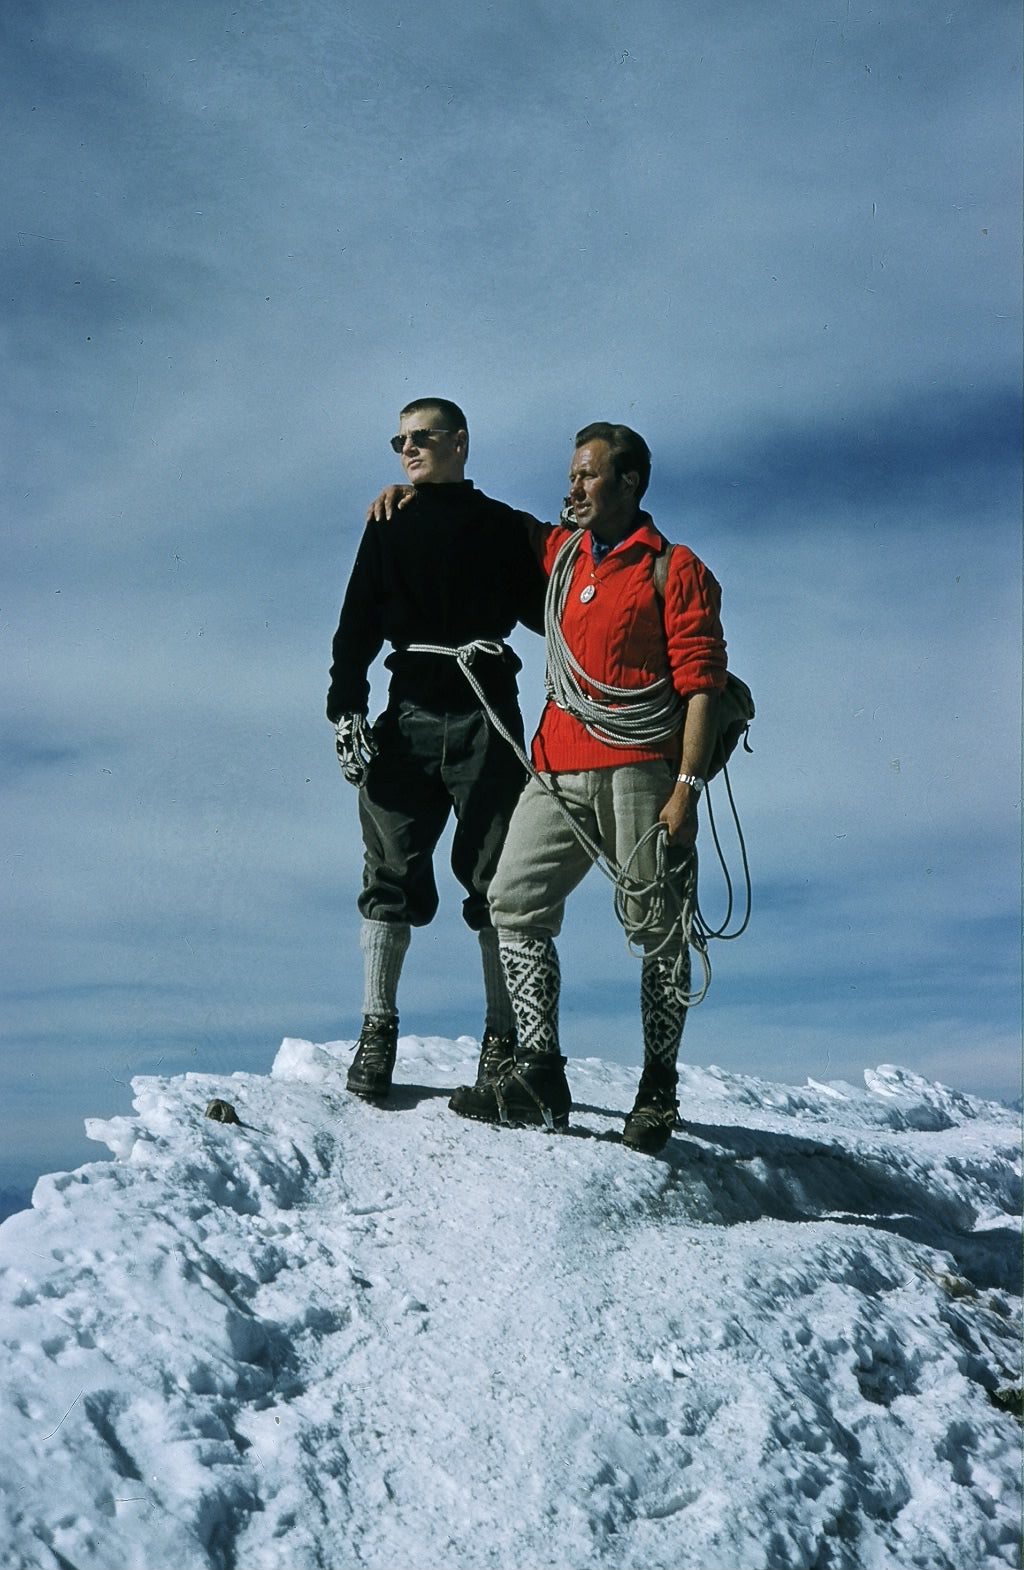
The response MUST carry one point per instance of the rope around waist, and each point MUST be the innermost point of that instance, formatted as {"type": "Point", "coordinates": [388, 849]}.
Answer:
{"type": "Point", "coordinates": [465, 653]}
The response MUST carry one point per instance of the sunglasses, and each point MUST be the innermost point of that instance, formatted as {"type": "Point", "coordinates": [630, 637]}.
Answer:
{"type": "Point", "coordinates": [418, 438]}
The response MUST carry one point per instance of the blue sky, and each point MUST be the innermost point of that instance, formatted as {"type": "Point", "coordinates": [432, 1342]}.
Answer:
{"type": "Point", "coordinates": [783, 243]}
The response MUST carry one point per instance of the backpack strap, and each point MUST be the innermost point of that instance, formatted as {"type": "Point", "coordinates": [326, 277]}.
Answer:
{"type": "Point", "coordinates": [659, 572]}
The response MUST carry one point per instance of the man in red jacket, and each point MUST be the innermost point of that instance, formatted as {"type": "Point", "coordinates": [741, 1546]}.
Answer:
{"type": "Point", "coordinates": [624, 743]}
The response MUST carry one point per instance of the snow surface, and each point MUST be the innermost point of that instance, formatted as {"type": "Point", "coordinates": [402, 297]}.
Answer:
{"type": "Point", "coordinates": [345, 1336]}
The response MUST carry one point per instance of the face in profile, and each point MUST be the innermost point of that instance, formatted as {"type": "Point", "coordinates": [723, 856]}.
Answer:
{"type": "Point", "coordinates": [601, 500]}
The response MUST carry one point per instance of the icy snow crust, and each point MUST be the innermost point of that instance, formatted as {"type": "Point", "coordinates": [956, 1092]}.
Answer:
{"type": "Point", "coordinates": [348, 1336]}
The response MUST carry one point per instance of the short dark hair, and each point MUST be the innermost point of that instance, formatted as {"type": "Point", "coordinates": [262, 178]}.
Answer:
{"type": "Point", "coordinates": [449, 411]}
{"type": "Point", "coordinates": [628, 451]}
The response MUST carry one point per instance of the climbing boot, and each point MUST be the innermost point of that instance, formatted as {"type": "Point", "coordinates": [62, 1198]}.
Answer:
{"type": "Point", "coordinates": [649, 1125]}
{"type": "Point", "coordinates": [664, 987]}
{"type": "Point", "coordinates": [655, 1110]}
{"type": "Point", "coordinates": [374, 1062]}
{"type": "Point", "coordinates": [497, 1053]}
{"type": "Point", "coordinates": [532, 1092]}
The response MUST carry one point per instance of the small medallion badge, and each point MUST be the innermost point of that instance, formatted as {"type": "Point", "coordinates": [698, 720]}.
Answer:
{"type": "Point", "coordinates": [587, 594]}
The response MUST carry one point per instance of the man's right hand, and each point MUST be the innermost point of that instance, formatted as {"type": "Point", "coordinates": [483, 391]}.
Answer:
{"type": "Point", "coordinates": [355, 746]}
{"type": "Point", "coordinates": [391, 500]}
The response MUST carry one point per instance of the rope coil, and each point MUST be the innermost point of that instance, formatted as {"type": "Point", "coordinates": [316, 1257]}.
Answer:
{"type": "Point", "coordinates": [620, 716]}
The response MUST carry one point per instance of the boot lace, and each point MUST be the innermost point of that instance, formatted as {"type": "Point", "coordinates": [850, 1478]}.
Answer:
{"type": "Point", "coordinates": [376, 1044]}
{"type": "Point", "coordinates": [497, 1055]}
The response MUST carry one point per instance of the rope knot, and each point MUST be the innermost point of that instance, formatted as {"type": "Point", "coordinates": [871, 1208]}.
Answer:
{"type": "Point", "coordinates": [466, 653]}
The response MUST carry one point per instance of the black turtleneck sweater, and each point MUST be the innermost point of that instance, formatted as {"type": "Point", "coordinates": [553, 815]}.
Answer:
{"type": "Point", "coordinates": [451, 567]}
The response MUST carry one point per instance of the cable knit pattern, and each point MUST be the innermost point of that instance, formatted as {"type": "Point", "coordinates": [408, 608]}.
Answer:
{"type": "Point", "coordinates": [384, 945]}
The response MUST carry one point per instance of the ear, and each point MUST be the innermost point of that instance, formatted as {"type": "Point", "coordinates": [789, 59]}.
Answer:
{"type": "Point", "coordinates": [462, 443]}
{"type": "Point", "coordinates": [631, 480]}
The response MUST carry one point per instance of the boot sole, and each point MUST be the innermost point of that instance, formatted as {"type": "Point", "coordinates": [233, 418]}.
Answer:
{"type": "Point", "coordinates": [645, 1150]}
{"type": "Point", "coordinates": [646, 1147]}
{"type": "Point", "coordinates": [557, 1126]}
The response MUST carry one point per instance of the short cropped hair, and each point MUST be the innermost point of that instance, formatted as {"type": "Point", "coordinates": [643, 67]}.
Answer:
{"type": "Point", "coordinates": [449, 411]}
{"type": "Point", "coordinates": [628, 451]}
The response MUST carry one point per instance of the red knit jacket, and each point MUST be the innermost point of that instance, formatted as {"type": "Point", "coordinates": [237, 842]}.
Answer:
{"type": "Point", "coordinates": [625, 636]}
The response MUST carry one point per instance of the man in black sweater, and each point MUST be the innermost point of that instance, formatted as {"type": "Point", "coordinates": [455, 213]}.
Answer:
{"type": "Point", "coordinates": [452, 569]}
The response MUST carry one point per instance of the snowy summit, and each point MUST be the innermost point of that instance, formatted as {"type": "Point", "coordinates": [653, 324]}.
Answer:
{"type": "Point", "coordinates": [338, 1335]}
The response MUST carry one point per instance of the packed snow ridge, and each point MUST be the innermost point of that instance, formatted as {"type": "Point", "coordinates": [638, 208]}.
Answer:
{"type": "Point", "coordinates": [340, 1335]}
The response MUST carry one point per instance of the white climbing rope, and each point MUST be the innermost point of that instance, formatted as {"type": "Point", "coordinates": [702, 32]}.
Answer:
{"type": "Point", "coordinates": [619, 716]}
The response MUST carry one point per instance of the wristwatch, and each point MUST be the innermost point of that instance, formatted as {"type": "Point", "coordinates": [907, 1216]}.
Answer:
{"type": "Point", "coordinates": [693, 780]}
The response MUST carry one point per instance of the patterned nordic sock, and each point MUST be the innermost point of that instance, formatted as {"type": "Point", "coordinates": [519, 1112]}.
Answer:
{"type": "Point", "coordinates": [533, 979]}
{"type": "Point", "coordinates": [384, 945]}
{"type": "Point", "coordinates": [662, 1011]}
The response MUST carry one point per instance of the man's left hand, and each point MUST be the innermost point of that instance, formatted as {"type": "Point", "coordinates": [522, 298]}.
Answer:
{"type": "Point", "coordinates": [391, 500]}
{"type": "Point", "coordinates": [679, 815]}
{"type": "Point", "coordinates": [356, 748]}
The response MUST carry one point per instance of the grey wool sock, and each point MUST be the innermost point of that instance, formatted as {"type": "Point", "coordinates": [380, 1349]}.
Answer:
{"type": "Point", "coordinates": [498, 1008]}
{"type": "Point", "coordinates": [384, 945]}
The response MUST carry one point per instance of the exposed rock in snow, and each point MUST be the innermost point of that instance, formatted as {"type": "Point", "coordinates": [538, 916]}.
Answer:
{"type": "Point", "coordinates": [342, 1335]}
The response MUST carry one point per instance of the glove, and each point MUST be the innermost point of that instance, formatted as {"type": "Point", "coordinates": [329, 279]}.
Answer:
{"type": "Point", "coordinates": [355, 746]}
